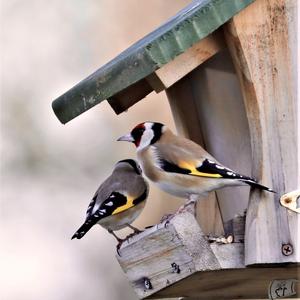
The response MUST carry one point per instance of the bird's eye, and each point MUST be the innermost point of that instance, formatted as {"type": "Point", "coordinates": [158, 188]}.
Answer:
{"type": "Point", "coordinates": [137, 132]}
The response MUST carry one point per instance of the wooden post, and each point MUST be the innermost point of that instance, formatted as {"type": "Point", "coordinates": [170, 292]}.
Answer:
{"type": "Point", "coordinates": [184, 110]}
{"type": "Point", "coordinates": [223, 122]}
{"type": "Point", "coordinates": [207, 106]}
{"type": "Point", "coordinates": [262, 40]}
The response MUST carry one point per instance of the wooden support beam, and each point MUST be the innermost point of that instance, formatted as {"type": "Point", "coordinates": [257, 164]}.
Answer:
{"type": "Point", "coordinates": [223, 121]}
{"type": "Point", "coordinates": [126, 98]}
{"type": "Point", "coordinates": [184, 63]}
{"type": "Point", "coordinates": [207, 106]}
{"type": "Point", "coordinates": [186, 119]}
{"type": "Point", "coordinates": [247, 283]}
{"type": "Point", "coordinates": [263, 40]}
{"type": "Point", "coordinates": [169, 73]}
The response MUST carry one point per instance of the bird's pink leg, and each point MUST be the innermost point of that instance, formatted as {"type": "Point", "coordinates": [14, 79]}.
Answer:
{"type": "Point", "coordinates": [190, 205]}
{"type": "Point", "coordinates": [120, 241]}
{"type": "Point", "coordinates": [135, 230]}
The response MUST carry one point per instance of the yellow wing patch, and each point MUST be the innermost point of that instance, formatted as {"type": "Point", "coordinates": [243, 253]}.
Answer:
{"type": "Point", "coordinates": [124, 207]}
{"type": "Point", "coordinates": [194, 171]}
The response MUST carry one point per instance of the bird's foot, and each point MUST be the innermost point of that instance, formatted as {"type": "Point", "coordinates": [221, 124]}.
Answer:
{"type": "Point", "coordinates": [189, 206]}
{"type": "Point", "coordinates": [135, 230]}
{"type": "Point", "coordinates": [166, 217]}
{"type": "Point", "coordinates": [120, 241]}
{"type": "Point", "coordinates": [132, 234]}
{"type": "Point", "coordinates": [119, 246]}
{"type": "Point", "coordinates": [149, 226]}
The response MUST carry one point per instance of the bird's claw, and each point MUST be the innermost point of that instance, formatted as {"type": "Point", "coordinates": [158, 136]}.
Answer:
{"type": "Point", "coordinates": [133, 234]}
{"type": "Point", "coordinates": [119, 246]}
{"type": "Point", "coordinates": [166, 217]}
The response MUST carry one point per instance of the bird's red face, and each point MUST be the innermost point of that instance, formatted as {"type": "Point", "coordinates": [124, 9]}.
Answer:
{"type": "Point", "coordinates": [144, 134]}
{"type": "Point", "coordinates": [135, 136]}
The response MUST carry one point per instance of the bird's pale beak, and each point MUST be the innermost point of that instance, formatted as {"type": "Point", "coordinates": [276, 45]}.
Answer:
{"type": "Point", "coordinates": [126, 138]}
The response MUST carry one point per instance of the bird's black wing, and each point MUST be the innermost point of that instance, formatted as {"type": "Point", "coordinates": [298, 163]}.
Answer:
{"type": "Point", "coordinates": [114, 204]}
{"type": "Point", "coordinates": [211, 169]}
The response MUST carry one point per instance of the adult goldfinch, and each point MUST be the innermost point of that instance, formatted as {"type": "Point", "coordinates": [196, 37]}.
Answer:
{"type": "Point", "coordinates": [118, 201]}
{"type": "Point", "coordinates": [178, 165]}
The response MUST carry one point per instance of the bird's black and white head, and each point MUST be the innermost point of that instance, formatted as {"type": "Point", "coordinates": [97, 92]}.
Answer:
{"type": "Point", "coordinates": [129, 165]}
{"type": "Point", "coordinates": [144, 134]}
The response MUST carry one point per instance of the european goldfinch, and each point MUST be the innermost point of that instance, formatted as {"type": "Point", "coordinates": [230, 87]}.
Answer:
{"type": "Point", "coordinates": [118, 201]}
{"type": "Point", "coordinates": [178, 165]}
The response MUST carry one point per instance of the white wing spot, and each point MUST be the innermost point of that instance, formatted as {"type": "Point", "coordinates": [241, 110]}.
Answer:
{"type": "Point", "coordinates": [112, 196]}
{"type": "Point", "coordinates": [220, 167]}
{"type": "Point", "coordinates": [210, 161]}
{"type": "Point", "coordinates": [229, 173]}
{"type": "Point", "coordinates": [110, 203]}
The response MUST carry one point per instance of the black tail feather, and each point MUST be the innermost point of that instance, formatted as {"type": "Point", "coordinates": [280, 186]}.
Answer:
{"type": "Point", "coordinates": [254, 184]}
{"type": "Point", "coordinates": [82, 230]}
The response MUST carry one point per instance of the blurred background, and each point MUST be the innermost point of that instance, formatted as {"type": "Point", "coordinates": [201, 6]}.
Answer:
{"type": "Point", "coordinates": [49, 171]}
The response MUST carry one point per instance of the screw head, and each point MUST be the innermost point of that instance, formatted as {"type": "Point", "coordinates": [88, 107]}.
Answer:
{"type": "Point", "coordinates": [175, 268]}
{"type": "Point", "coordinates": [287, 249]}
{"type": "Point", "coordinates": [147, 283]}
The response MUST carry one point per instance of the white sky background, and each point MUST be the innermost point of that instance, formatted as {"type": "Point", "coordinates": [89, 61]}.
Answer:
{"type": "Point", "coordinates": [49, 171]}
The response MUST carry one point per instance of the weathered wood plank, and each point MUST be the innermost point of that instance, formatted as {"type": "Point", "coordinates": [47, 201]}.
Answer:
{"type": "Point", "coordinates": [165, 254]}
{"type": "Point", "coordinates": [126, 98]}
{"type": "Point", "coordinates": [247, 283]}
{"type": "Point", "coordinates": [184, 63]}
{"type": "Point", "coordinates": [262, 42]}
{"type": "Point", "coordinates": [236, 228]}
{"type": "Point", "coordinates": [223, 122]}
{"type": "Point", "coordinates": [188, 124]}
{"type": "Point", "coordinates": [190, 25]}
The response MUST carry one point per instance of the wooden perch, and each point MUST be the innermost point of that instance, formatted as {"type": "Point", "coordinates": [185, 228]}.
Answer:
{"type": "Point", "coordinates": [175, 259]}
{"type": "Point", "coordinates": [167, 253]}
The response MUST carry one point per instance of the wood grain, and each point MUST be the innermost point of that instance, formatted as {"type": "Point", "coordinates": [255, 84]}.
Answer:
{"type": "Point", "coordinates": [185, 113]}
{"type": "Point", "coordinates": [193, 23]}
{"type": "Point", "coordinates": [248, 283]}
{"type": "Point", "coordinates": [152, 254]}
{"type": "Point", "coordinates": [262, 42]}
{"type": "Point", "coordinates": [184, 63]}
{"type": "Point", "coordinates": [223, 122]}
{"type": "Point", "coordinates": [123, 100]}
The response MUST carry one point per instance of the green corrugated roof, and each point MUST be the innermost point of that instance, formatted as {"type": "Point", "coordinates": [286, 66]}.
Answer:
{"type": "Point", "coordinates": [190, 25]}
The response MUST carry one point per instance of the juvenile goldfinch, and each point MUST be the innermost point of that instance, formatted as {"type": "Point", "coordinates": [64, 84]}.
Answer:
{"type": "Point", "coordinates": [118, 201]}
{"type": "Point", "coordinates": [178, 165]}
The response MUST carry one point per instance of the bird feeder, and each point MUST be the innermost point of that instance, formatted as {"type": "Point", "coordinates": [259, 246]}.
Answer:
{"type": "Point", "coordinates": [229, 71]}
